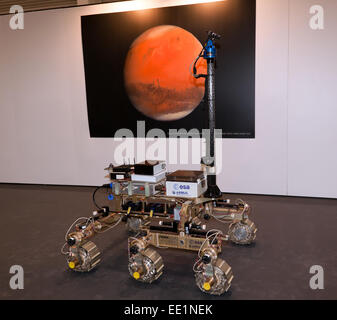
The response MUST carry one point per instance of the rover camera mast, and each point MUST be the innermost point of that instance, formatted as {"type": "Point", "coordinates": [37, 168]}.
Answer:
{"type": "Point", "coordinates": [209, 54]}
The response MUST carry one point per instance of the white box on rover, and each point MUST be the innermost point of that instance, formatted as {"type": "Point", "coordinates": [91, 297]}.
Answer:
{"type": "Point", "coordinates": [186, 184]}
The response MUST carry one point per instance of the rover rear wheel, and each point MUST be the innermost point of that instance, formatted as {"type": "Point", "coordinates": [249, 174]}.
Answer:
{"type": "Point", "coordinates": [242, 232]}
{"type": "Point", "coordinates": [134, 225]}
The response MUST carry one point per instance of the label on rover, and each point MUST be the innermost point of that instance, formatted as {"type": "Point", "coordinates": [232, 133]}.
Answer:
{"type": "Point", "coordinates": [182, 189]}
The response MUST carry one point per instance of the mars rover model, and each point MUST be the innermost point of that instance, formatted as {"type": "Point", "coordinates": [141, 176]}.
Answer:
{"type": "Point", "coordinates": [167, 210]}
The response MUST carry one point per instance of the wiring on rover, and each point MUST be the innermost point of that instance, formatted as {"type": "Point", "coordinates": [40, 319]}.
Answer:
{"type": "Point", "coordinates": [224, 216]}
{"type": "Point", "coordinates": [110, 227]}
{"type": "Point", "coordinates": [215, 234]}
{"type": "Point", "coordinates": [78, 219]}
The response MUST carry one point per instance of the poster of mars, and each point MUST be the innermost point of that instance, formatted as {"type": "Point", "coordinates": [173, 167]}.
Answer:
{"type": "Point", "coordinates": [138, 67]}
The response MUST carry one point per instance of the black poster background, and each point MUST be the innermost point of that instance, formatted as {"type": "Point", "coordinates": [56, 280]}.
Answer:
{"type": "Point", "coordinates": [107, 37]}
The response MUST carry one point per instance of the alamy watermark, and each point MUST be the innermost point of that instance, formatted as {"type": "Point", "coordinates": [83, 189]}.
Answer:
{"type": "Point", "coordinates": [317, 280]}
{"type": "Point", "coordinates": [16, 22]}
{"type": "Point", "coordinates": [182, 147]}
{"type": "Point", "coordinates": [17, 280]}
{"type": "Point", "coordinates": [317, 19]}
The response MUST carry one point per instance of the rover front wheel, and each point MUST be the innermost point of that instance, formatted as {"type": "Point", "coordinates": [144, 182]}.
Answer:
{"type": "Point", "coordinates": [146, 265]}
{"type": "Point", "coordinates": [83, 258]}
{"type": "Point", "coordinates": [214, 279]}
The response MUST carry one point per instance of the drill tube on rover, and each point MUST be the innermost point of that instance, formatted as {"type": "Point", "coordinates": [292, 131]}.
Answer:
{"type": "Point", "coordinates": [211, 112]}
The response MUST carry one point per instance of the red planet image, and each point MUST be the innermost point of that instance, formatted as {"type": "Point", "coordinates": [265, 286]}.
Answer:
{"type": "Point", "coordinates": [158, 73]}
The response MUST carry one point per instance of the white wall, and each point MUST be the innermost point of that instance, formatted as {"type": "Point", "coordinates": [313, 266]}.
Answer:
{"type": "Point", "coordinates": [42, 90]}
{"type": "Point", "coordinates": [312, 146]}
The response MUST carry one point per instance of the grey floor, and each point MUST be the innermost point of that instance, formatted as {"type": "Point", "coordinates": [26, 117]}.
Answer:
{"type": "Point", "coordinates": [294, 234]}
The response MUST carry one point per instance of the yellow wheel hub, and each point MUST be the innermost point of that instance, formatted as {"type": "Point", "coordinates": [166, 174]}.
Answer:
{"type": "Point", "coordinates": [207, 286]}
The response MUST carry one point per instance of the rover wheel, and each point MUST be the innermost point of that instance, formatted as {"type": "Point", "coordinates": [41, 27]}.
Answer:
{"type": "Point", "coordinates": [242, 232]}
{"type": "Point", "coordinates": [83, 258]}
{"type": "Point", "coordinates": [146, 266]}
{"type": "Point", "coordinates": [134, 225]}
{"type": "Point", "coordinates": [214, 279]}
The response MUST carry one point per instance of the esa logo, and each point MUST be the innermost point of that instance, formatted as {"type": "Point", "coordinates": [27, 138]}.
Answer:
{"type": "Point", "coordinates": [178, 186]}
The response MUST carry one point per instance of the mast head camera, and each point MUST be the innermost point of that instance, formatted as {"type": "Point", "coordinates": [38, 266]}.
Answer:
{"type": "Point", "coordinates": [213, 36]}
